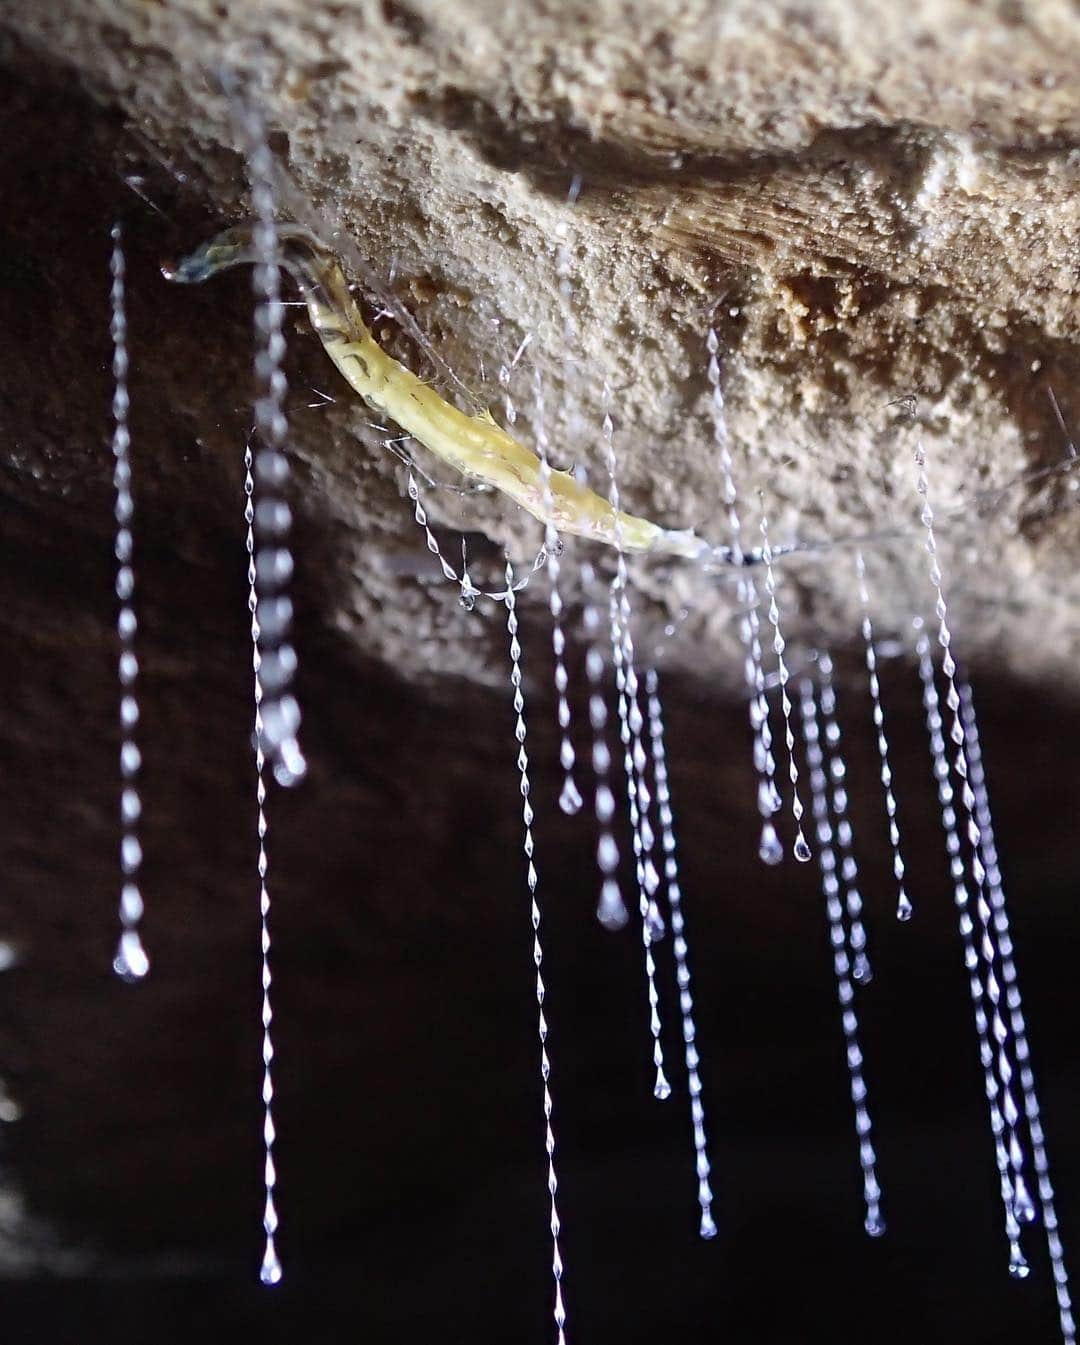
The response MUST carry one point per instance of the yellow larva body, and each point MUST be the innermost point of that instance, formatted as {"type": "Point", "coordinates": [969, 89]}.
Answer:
{"type": "Point", "coordinates": [473, 445]}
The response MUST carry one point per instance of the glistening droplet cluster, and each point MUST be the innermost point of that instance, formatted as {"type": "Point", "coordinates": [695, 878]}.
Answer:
{"type": "Point", "coordinates": [131, 961]}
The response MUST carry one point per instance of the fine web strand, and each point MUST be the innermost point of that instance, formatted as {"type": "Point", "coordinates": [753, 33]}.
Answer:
{"type": "Point", "coordinates": [903, 901]}
{"type": "Point", "coordinates": [707, 1226]}
{"type": "Point", "coordinates": [768, 800]}
{"type": "Point", "coordinates": [830, 888]}
{"type": "Point", "coordinates": [270, 1270]}
{"type": "Point", "coordinates": [1018, 1264]}
{"type": "Point", "coordinates": [631, 724]}
{"type": "Point", "coordinates": [468, 592]}
{"type": "Point", "coordinates": [844, 832]}
{"type": "Point", "coordinates": [1032, 1110]}
{"type": "Point", "coordinates": [532, 881]}
{"type": "Point", "coordinates": [570, 800]}
{"type": "Point", "coordinates": [130, 961]}
{"type": "Point", "coordinates": [272, 517]}
{"type": "Point", "coordinates": [800, 849]}
{"type": "Point", "coordinates": [611, 908]}
{"type": "Point", "coordinates": [987, 945]}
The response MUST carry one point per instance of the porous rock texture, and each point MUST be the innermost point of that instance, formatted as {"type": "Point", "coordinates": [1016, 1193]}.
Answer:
{"type": "Point", "coordinates": [875, 206]}
{"type": "Point", "coordinates": [869, 202]}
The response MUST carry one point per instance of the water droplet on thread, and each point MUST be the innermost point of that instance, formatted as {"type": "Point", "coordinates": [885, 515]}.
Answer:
{"type": "Point", "coordinates": [801, 850]}
{"type": "Point", "coordinates": [270, 1271]}
{"type": "Point", "coordinates": [1018, 1266]}
{"type": "Point", "coordinates": [570, 800]}
{"type": "Point", "coordinates": [770, 849]}
{"type": "Point", "coordinates": [611, 910]}
{"type": "Point", "coordinates": [131, 962]}
{"type": "Point", "coordinates": [1023, 1205]}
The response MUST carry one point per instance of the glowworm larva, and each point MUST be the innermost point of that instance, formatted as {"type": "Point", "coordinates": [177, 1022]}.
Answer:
{"type": "Point", "coordinates": [473, 445]}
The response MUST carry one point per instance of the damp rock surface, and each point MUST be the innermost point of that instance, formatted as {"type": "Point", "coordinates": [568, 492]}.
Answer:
{"type": "Point", "coordinates": [870, 202]}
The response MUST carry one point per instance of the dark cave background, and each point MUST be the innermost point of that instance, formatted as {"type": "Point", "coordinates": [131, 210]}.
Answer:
{"type": "Point", "coordinates": [410, 1153]}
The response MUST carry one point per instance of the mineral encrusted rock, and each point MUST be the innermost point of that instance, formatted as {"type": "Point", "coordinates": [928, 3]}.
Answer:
{"type": "Point", "coordinates": [870, 201]}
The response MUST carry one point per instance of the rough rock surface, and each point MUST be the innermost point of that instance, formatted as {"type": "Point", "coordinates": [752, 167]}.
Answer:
{"type": "Point", "coordinates": [870, 201]}
{"type": "Point", "coordinates": [861, 221]}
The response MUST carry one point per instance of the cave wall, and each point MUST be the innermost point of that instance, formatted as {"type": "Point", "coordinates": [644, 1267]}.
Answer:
{"type": "Point", "coordinates": [882, 226]}
{"type": "Point", "coordinates": [862, 222]}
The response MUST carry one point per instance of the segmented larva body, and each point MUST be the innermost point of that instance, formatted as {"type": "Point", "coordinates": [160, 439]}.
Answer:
{"type": "Point", "coordinates": [473, 445]}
